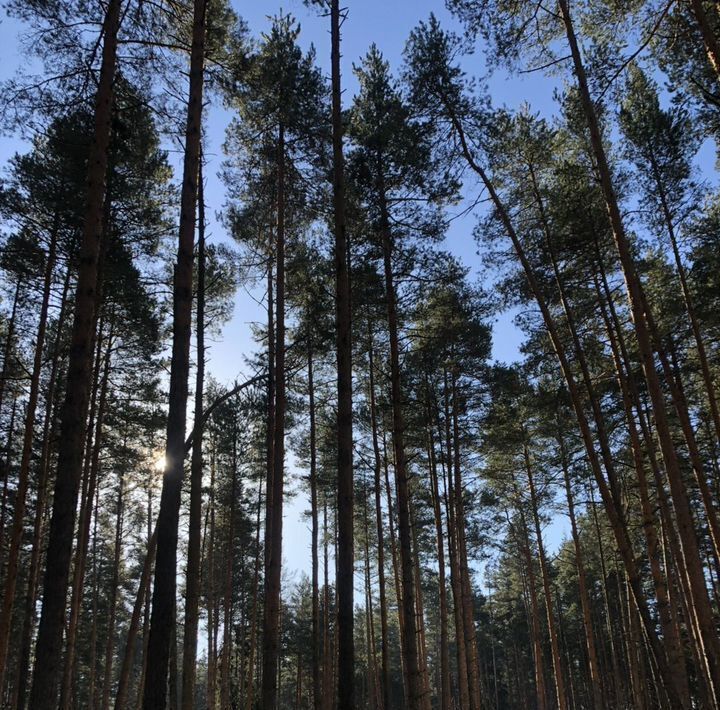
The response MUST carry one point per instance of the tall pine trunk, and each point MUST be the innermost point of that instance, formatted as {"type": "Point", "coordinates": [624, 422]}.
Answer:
{"type": "Point", "coordinates": [225, 676]}
{"type": "Point", "coordinates": [593, 664]}
{"type": "Point", "coordinates": [211, 607]}
{"type": "Point", "coordinates": [271, 612]}
{"type": "Point", "coordinates": [16, 532]}
{"type": "Point", "coordinates": [377, 487]}
{"type": "Point", "coordinates": [552, 628]}
{"type": "Point", "coordinates": [687, 297]}
{"type": "Point", "coordinates": [537, 648]}
{"type": "Point", "coordinates": [43, 695]}
{"type": "Point", "coordinates": [343, 324]}
{"type": "Point", "coordinates": [9, 342]}
{"type": "Point", "coordinates": [22, 675]}
{"type": "Point", "coordinates": [192, 584]}
{"type": "Point", "coordinates": [445, 688]}
{"type": "Point", "coordinates": [316, 678]}
{"type": "Point", "coordinates": [90, 486]}
{"type": "Point", "coordinates": [250, 684]}
{"type": "Point", "coordinates": [471, 650]}
{"type": "Point", "coordinates": [162, 618]}
{"type": "Point", "coordinates": [121, 696]}
{"type": "Point", "coordinates": [110, 650]}
{"type": "Point", "coordinates": [449, 501]}
{"type": "Point", "coordinates": [629, 392]}
{"type": "Point", "coordinates": [408, 608]}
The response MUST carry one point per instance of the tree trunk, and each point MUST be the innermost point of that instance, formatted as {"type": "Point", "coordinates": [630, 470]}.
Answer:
{"type": "Point", "coordinates": [687, 298]}
{"type": "Point", "coordinates": [594, 667]}
{"type": "Point", "coordinates": [410, 637]}
{"type": "Point", "coordinates": [449, 498]}
{"type": "Point", "coordinates": [327, 656]}
{"type": "Point", "coordinates": [524, 543]}
{"type": "Point", "coordinates": [21, 684]}
{"type": "Point", "coordinates": [43, 695]}
{"type": "Point", "coordinates": [212, 614]}
{"type": "Point", "coordinates": [162, 618]}
{"type": "Point", "coordinates": [192, 575]}
{"type": "Point", "coordinates": [421, 644]}
{"type": "Point", "coordinates": [146, 610]}
{"type": "Point", "coordinates": [9, 340]}
{"type": "Point", "coordinates": [672, 641]}
{"type": "Point", "coordinates": [609, 500]}
{"type": "Point", "coordinates": [343, 321]}
{"type": "Point", "coordinates": [552, 629]}
{"type": "Point", "coordinates": [471, 649]}
{"type": "Point", "coordinates": [16, 532]}
{"type": "Point", "coordinates": [395, 565]}
{"type": "Point", "coordinates": [110, 651]}
{"type": "Point", "coordinates": [270, 435]}
{"type": "Point", "coordinates": [377, 467]}
{"type": "Point", "coordinates": [6, 471]}
{"type": "Point", "coordinates": [88, 496]}
{"type": "Point", "coordinates": [226, 683]}
{"type": "Point", "coordinates": [316, 679]}
{"type": "Point", "coordinates": [92, 685]}
{"type": "Point", "coordinates": [121, 696]}
{"type": "Point", "coordinates": [614, 654]}
{"type": "Point", "coordinates": [271, 613]}
{"type": "Point", "coordinates": [445, 688]}
{"type": "Point", "coordinates": [250, 692]}
{"type": "Point", "coordinates": [712, 48]}
{"type": "Point", "coordinates": [374, 695]}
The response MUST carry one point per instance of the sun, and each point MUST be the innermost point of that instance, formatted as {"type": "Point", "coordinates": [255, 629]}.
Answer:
{"type": "Point", "coordinates": [160, 464]}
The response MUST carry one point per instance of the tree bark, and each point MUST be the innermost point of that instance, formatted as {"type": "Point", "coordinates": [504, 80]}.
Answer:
{"type": "Point", "coordinates": [162, 618]}
{"type": "Point", "coordinates": [410, 637]}
{"type": "Point", "coordinates": [192, 575]}
{"type": "Point", "coordinates": [327, 655]}
{"type": "Point", "coordinates": [560, 695]}
{"type": "Point", "coordinates": [593, 664]}
{"type": "Point", "coordinates": [449, 498]}
{"type": "Point", "coordinates": [316, 677]}
{"type": "Point", "coordinates": [212, 610]}
{"type": "Point", "coordinates": [712, 47]}
{"type": "Point", "coordinates": [377, 467]}
{"type": "Point", "coordinates": [226, 681]}
{"type": "Point", "coordinates": [271, 612]}
{"type": "Point", "coordinates": [94, 445]}
{"type": "Point", "coordinates": [16, 532]}
{"type": "Point", "coordinates": [687, 298]}
{"type": "Point", "coordinates": [473, 666]}
{"type": "Point", "coordinates": [9, 340]}
{"type": "Point", "coordinates": [110, 651]}
{"type": "Point", "coordinates": [43, 694]}
{"type": "Point", "coordinates": [22, 676]}
{"type": "Point", "coordinates": [343, 320]}
{"type": "Point", "coordinates": [250, 685]}
{"type": "Point", "coordinates": [629, 391]}
{"type": "Point", "coordinates": [445, 688]}
{"type": "Point", "coordinates": [524, 543]}
{"type": "Point", "coordinates": [123, 688]}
